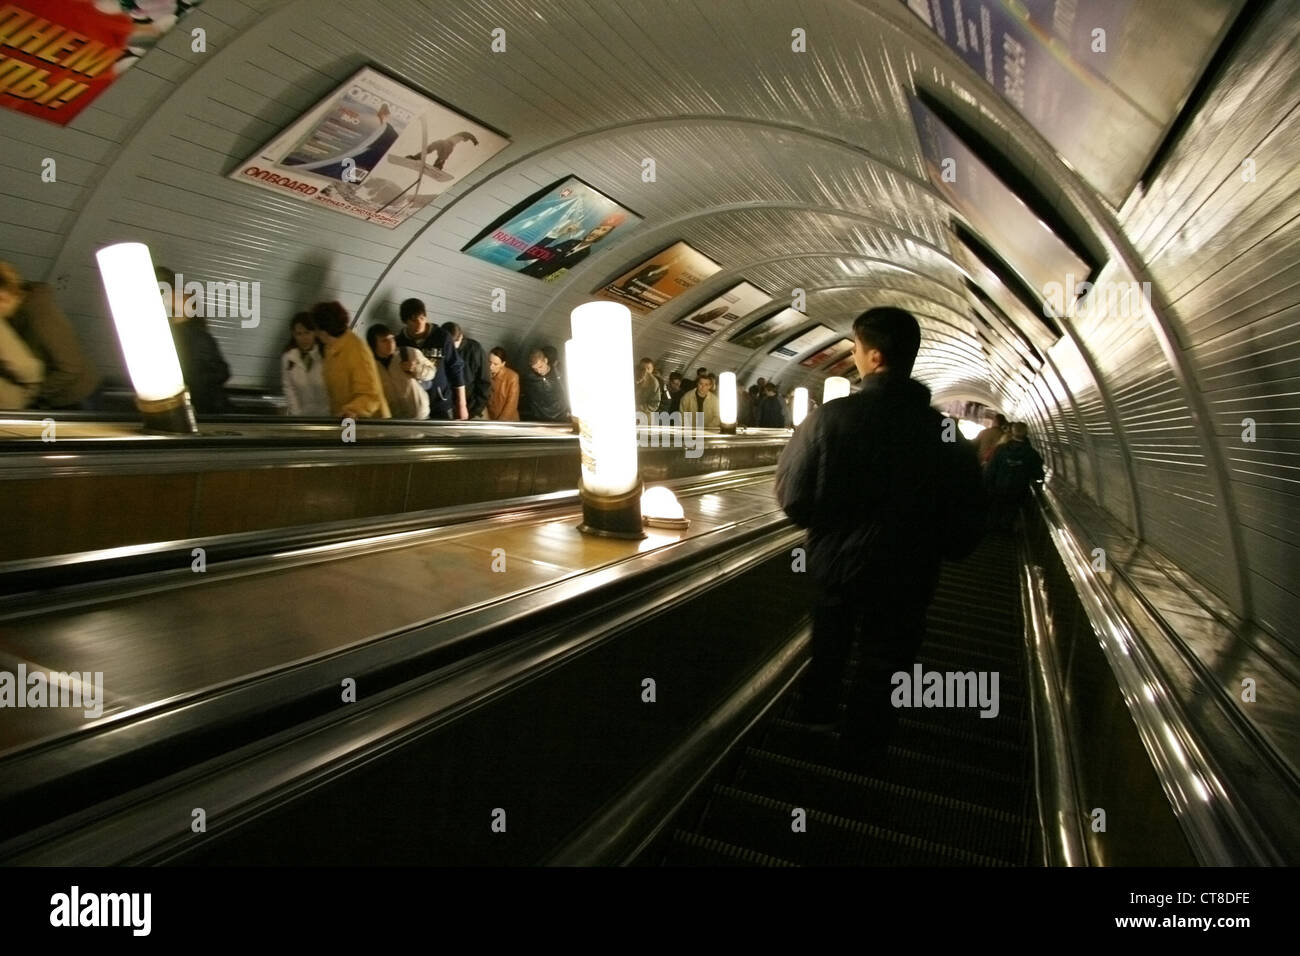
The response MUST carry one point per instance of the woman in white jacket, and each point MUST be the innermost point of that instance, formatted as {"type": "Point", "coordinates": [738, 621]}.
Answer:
{"type": "Point", "coordinates": [302, 371]}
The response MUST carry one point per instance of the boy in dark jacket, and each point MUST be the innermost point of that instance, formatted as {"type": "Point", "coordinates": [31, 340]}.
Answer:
{"type": "Point", "coordinates": [202, 364]}
{"type": "Point", "coordinates": [1014, 467]}
{"type": "Point", "coordinates": [887, 488]}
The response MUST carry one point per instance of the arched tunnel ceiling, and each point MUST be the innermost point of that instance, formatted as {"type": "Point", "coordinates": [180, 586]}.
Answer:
{"type": "Point", "coordinates": [791, 170]}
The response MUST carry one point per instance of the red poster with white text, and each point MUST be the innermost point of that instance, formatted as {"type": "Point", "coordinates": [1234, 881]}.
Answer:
{"type": "Point", "coordinates": [57, 56]}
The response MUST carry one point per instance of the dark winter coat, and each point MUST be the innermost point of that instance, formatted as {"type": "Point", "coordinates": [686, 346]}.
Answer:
{"type": "Point", "coordinates": [882, 482]}
{"type": "Point", "coordinates": [1012, 469]}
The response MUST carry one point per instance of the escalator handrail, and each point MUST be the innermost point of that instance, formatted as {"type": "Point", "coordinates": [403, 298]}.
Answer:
{"type": "Point", "coordinates": [1060, 819]}
{"type": "Point", "coordinates": [37, 578]}
{"type": "Point", "coordinates": [1217, 822]}
{"type": "Point", "coordinates": [151, 822]}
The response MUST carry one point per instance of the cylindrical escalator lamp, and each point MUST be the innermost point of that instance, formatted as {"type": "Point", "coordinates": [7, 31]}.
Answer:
{"type": "Point", "coordinates": [661, 509]}
{"type": "Point", "coordinates": [835, 387]}
{"type": "Point", "coordinates": [145, 334]}
{"type": "Point", "coordinates": [727, 401]}
{"type": "Point", "coordinates": [606, 411]}
{"type": "Point", "coordinates": [800, 410]}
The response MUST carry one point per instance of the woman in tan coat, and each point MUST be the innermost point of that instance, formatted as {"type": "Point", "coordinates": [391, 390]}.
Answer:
{"type": "Point", "coordinates": [503, 406]}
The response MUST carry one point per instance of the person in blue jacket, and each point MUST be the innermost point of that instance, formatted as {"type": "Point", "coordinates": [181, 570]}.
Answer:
{"type": "Point", "coordinates": [445, 381]}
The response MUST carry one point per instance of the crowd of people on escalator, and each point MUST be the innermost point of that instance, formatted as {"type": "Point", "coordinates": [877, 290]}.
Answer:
{"type": "Point", "coordinates": [410, 368]}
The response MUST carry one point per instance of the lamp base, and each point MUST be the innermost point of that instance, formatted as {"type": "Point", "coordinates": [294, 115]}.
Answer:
{"type": "Point", "coordinates": [174, 415]}
{"type": "Point", "coordinates": [728, 429]}
{"type": "Point", "coordinates": [612, 516]}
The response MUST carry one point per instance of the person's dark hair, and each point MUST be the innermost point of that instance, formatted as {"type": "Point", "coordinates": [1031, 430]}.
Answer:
{"type": "Point", "coordinates": [500, 353]}
{"type": "Point", "coordinates": [452, 329]}
{"type": "Point", "coordinates": [709, 375]}
{"type": "Point", "coordinates": [895, 332]}
{"type": "Point", "coordinates": [551, 354]}
{"type": "Point", "coordinates": [535, 354]}
{"type": "Point", "coordinates": [331, 318]}
{"type": "Point", "coordinates": [375, 333]}
{"type": "Point", "coordinates": [753, 390]}
{"type": "Point", "coordinates": [163, 274]}
{"type": "Point", "coordinates": [304, 319]}
{"type": "Point", "coordinates": [1019, 431]}
{"type": "Point", "coordinates": [410, 308]}
{"type": "Point", "coordinates": [769, 389]}
{"type": "Point", "coordinates": [676, 377]}
{"type": "Point", "coordinates": [1001, 421]}
{"type": "Point", "coordinates": [701, 371]}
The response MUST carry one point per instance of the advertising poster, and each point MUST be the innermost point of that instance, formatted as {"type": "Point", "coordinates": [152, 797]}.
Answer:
{"type": "Point", "coordinates": [660, 278]}
{"type": "Point", "coordinates": [725, 310]}
{"type": "Point", "coordinates": [373, 149]}
{"type": "Point", "coordinates": [545, 236]}
{"type": "Point", "coordinates": [57, 56]}
{"type": "Point", "coordinates": [1101, 81]}
{"type": "Point", "coordinates": [765, 330]}
{"type": "Point", "coordinates": [1026, 244]}
{"type": "Point", "coordinates": [802, 342]}
{"type": "Point", "coordinates": [844, 366]}
{"type": "Point", "coordinates": [832, 353]}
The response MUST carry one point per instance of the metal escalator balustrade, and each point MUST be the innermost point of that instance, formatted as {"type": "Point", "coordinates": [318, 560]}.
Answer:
{"type": "Point", "coordinates": [246, 745]}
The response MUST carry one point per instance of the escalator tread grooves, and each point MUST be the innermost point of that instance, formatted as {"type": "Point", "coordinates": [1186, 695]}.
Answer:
{"type": "Point", "coordinates": [740, 853]}
{"type": "Point", "coordinates": [863, 829]}
{"type": "Point", "coordinates": [884, 786]}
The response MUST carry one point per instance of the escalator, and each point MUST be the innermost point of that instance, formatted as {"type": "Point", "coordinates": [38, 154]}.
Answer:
{"type": "Point", "coordinates": [953, 789]}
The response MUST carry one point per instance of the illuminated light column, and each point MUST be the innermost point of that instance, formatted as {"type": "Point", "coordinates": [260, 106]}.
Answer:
{"type": "Point", "coordinates": [144, 330]}
{"type": "Point", "coordinates": [606, 411]}
{"type": "Point", "coordinates": [835, 387]}
{"type": "Point", "coordinates": [727, 402]}
{"type": "Point", "coordinates": [800, 410]}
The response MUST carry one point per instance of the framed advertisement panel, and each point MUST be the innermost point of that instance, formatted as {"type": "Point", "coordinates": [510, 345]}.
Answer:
{"type": "Point", "coordinates": [765, 330]}
{"type": "Point", "coordinates": [1023, 241]}
{"type": "Point", "coordinates": [373, 149]}
{"type": "Point", "coordinates": [832, 353]}
{"type": "Point", "coordinates": [844, 366]}
{"type": "Point", "coordinates": [724, 311]}
{"type": "Point", "coordinates": [1103, 82]}
{"type": "Point", "coordinates": [802, 342]}
{"type": "Point", "coordinates": [551, 232]}
{"type": "Point", "coordinates": [59, 56]}
{"type": "Point", "coordinates": [659, 279]}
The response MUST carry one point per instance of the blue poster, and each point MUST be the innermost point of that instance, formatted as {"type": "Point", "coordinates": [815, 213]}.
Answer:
{"type": "Point", "coordinates": [547, 237]}
{"type": "Point", "coordinates": [1101, 80]}
{"type": "Point", "coordinates": [1023, 241]}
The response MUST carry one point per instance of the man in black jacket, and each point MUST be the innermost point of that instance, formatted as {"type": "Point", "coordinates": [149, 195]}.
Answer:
{"type": "Point", "coordinates": [887, 488]}
{"type": "Point", "coordinates": [478, 382]}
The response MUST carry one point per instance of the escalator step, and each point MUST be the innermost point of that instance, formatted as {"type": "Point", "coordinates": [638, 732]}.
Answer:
{"type": "Point", "coordinates": [978, 829]}
{"type": "Point", "coordinates": [742, 818]}
{"type": "Point", "coordinates": [691, 849]}
{"type": "Point", "coordinates": [1007, 755]}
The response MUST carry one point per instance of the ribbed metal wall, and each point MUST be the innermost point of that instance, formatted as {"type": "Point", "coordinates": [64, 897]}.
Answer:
{"type": "Point", "coordinates": [1224, 248]}
{"type": "Point", "coordinates": [791, 170]}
